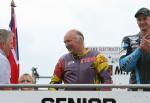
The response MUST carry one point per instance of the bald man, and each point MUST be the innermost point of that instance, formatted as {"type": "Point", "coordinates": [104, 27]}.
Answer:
{"type": "Point", "coordinates": [80, 65]}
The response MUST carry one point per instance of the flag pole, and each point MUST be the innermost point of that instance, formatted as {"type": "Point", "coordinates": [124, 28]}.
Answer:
{"type": "Point", "coordinates": [12, 4]}
{"type": "Point", "coordinates": [13, 56]}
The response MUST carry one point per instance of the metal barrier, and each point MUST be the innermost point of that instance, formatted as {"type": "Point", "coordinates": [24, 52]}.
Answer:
{"type": "Point", "coordinates": [74, 86]}
{"type": "Point", "coordinates": [19, 96]}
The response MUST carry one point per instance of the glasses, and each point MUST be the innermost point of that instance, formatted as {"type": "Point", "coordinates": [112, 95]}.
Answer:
{"type": "Point", "coordinates": [23, 81]}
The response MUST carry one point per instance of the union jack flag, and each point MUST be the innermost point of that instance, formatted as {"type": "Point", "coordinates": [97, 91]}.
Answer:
{"type": "Point", "coordinates": [14, 54]}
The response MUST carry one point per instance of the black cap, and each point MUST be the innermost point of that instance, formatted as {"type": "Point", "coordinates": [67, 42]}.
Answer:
{"type": "Point", "coordinates": [144, 11]}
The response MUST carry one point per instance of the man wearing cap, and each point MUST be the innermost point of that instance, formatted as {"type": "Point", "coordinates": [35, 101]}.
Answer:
{"type": "Point", "coordinates": [135, 53]}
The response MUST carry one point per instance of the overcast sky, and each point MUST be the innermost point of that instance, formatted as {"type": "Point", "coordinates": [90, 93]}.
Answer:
{"type": "Point", "coordinates": [42, 24]}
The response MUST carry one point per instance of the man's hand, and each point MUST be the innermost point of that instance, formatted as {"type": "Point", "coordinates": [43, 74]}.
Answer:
{"type": "Point", "coordinates": [145, 44]}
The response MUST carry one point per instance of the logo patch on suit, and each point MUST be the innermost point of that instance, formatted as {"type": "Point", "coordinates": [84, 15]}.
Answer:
{"type": "Point", "coordinates": [70, 63]}
{"type": "Point", "coordinates": [88, 59]}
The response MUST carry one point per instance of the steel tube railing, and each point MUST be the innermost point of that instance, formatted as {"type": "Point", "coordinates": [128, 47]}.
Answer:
{"type": "Point", "coordinates": [74, 86]}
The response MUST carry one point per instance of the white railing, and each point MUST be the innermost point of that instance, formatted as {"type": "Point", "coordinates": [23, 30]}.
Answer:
{"type": "Point", "coordinates": [38, 96]}
{"type": "Point", "coordinates": [75, 85]}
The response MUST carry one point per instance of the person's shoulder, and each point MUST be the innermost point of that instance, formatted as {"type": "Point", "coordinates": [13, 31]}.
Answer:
{"type": "Point", "coordinates": [3, 57]}
{"type": "Point", "coordinates": [94, 52]}
{"type": "Point", "coordinates": [64, 56]}
{"type": "Point", "coordinates": [98, 54]}
{"type": "Point", "coordinates": [3, 61]}
{"type": "Point", "coordinates": [130, 37]}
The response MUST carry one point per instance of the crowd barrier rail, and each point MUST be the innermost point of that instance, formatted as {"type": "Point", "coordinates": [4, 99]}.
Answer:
{"type": "Point", "coordinates": [75, 85]}
{"type": "Point", "coordinates": [46, 96]}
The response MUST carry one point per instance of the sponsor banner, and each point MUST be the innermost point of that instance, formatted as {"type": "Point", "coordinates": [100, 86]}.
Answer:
{"type": "Point", "coordinates": [74, 97]}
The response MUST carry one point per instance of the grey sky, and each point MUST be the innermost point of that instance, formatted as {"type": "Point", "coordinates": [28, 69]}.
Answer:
{"type": "Point", "coordinates": [43, 23]}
